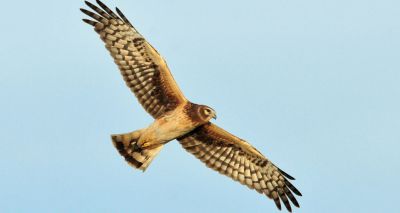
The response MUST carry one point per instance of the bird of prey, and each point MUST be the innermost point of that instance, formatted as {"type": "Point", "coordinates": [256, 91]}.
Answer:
{"type": "Point", "coordinates": [147, 75]}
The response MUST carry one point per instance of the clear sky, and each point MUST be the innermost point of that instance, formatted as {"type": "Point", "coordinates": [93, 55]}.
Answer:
{"type": "Point", "coordinates": [314, 85]}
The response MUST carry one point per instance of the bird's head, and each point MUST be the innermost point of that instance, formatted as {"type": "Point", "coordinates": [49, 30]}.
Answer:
{"type": "Point", "coordinates": [209, 113]}
{"type": "Point", "coordinates": [206, 113]}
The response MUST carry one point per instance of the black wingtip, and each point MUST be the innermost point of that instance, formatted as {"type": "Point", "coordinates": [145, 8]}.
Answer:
{"type": "Point", "coordinates": [87, 21]}
{"type": "Point", "coordinates": [110, 12]}
{"type": "Point", "coordinates": [119, 11]}
{"type": "Point", "coordinates": [287, 204]}
{"type": "Point", "coordinates": [286, 174]}
{"type": "Point", "coordinates": [88, 4]}
{"type": "Point", "coordinates": [278, 203]}
{"type": "Point", "coordinates": [293, 188]}
{"type": "Point", "coordinates": [291, 197]}
{"type": "Point", "coordinates": [296, 204]}
{"type": "Point", "coordinates": [92, 15]}
{"type": "Point", "coordinates": [87, 12]}
{"type": "Point", "coordinates": [123, 16]}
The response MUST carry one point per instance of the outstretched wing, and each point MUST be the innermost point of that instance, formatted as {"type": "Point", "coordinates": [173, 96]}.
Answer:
{"type": "Point", "coordinates": [235, 158]}
{"type": "Point", "coordinates": [143, 69]}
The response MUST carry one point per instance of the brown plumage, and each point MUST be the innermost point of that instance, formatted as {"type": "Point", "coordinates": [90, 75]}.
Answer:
{"type": "Point", "coordinates": [147, 75]}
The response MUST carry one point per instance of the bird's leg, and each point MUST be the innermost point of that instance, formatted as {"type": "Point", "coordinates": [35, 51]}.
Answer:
{"type": "Point", "coordinates": [136, 147]}
{"type": "Point", "coordinates": [148, 144]}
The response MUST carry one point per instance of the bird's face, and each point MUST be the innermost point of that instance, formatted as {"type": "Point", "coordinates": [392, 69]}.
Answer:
{"type": "Point", "coordinates": [207, 113]}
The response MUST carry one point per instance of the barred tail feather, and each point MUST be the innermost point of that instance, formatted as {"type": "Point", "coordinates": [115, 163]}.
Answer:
{"type": "Point", "coordinates": [133, 154]}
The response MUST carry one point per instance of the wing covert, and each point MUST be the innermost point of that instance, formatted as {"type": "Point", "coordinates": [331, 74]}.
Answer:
{"type": "Point", "coordinates": [145, 72]}
{"type": "Point", "coordinates": [237, 159]}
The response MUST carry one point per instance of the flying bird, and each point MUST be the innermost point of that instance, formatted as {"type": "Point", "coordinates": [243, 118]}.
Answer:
{"type": "Point", "coordinates": [147, 75]}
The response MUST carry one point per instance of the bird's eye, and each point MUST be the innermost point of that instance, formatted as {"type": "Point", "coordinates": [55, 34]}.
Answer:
{"type": "Point", "coordinates": [207, 111]}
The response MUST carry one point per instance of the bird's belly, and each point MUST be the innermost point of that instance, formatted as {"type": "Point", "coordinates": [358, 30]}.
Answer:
{"type": "Point", "coordinates": [167, 134]}
{"type": "Point", "coordinates": [167, 128]}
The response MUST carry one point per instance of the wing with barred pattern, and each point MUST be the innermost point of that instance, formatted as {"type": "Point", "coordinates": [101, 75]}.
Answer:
{"type": "Point", "coordinates": [237, 159]}
{"type": "Point", "coordinates": [145, 72]}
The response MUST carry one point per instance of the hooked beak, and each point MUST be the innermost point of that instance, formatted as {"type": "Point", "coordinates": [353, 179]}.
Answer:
{"type": "Point", "coordinates": [215, 116]}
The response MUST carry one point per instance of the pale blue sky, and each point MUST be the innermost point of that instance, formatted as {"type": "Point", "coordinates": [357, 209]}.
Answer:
{"type": "Point", "coordinates": [314, 85]}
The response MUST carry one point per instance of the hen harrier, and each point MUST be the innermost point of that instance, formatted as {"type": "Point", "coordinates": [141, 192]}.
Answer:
{"type": "Point", "coordinates": [147, 75]}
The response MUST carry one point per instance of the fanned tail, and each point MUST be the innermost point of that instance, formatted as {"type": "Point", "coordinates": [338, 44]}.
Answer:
{"type": "Point", "coordinates": [126, 145]}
